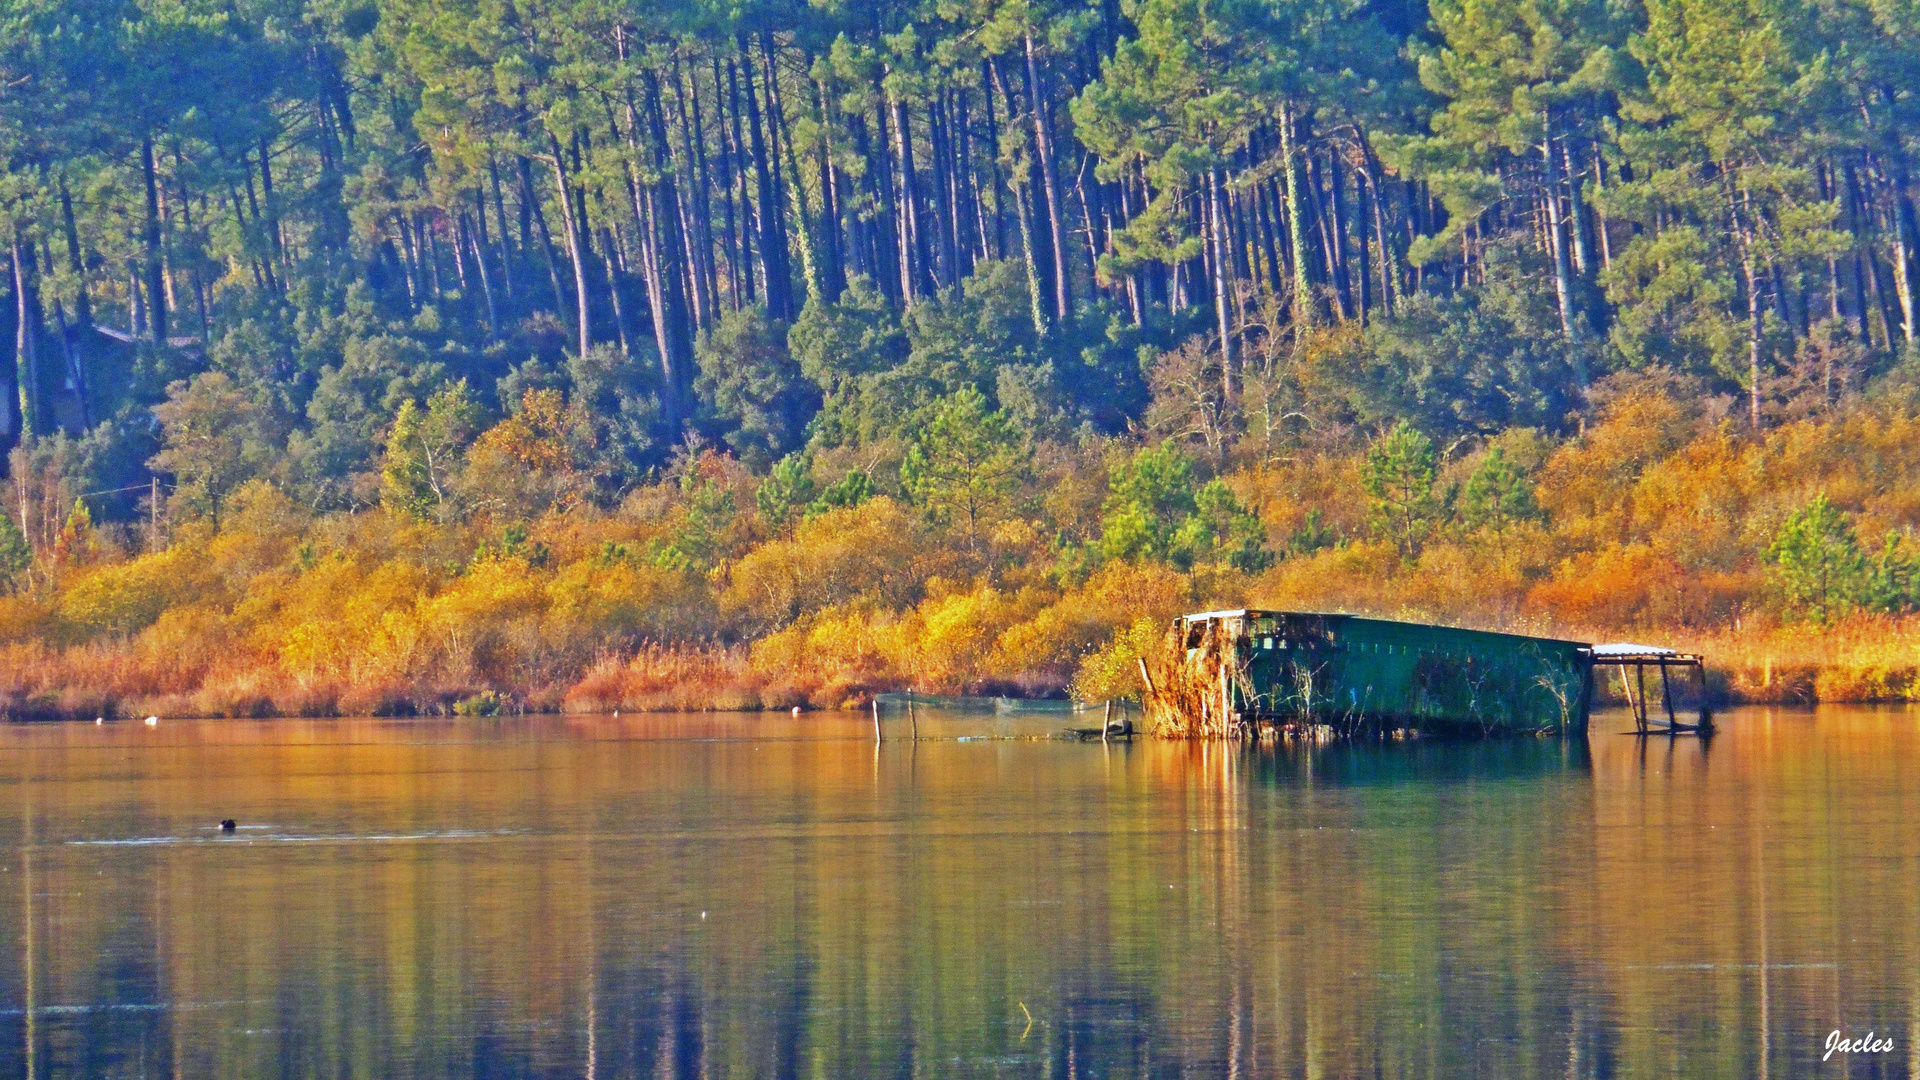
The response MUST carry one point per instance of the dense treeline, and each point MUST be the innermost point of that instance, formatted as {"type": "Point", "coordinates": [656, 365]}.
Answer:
{"type": "Point", "coordinates": [1230, 292]}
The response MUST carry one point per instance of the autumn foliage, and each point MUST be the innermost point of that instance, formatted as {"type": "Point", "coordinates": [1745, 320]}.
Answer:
{"type": "Point", "coordinates": [700, 590]}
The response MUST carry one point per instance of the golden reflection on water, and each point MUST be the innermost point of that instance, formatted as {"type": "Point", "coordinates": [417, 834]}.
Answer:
{"type": "Point", "coordinates": [721, 896]}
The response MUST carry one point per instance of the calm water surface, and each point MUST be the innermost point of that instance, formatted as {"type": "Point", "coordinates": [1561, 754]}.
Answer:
{"type": "Point", "coordinates": [750, 896]}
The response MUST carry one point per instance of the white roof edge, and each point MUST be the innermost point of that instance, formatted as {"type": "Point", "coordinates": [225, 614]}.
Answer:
{"type": "Point", "coordinates": [1625, 648]}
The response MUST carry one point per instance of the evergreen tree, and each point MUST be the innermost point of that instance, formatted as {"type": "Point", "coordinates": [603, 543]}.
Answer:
{"type": "Point", "coordinates": [1398, 476]}
{"type": "Point", "coordinates": [1816, 562]}
{"type": "Point", "coordinates": [965, 464]}
{"type": "Point", "coordinates": [16, 555]}
{"type": "Point", "coordinates": [1497, 495]}
{"type": "Point", "coordinates": [784, 495]}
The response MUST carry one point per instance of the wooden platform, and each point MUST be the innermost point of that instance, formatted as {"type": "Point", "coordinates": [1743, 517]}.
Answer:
{"type": "Point", "coordinates": [1641, 657]}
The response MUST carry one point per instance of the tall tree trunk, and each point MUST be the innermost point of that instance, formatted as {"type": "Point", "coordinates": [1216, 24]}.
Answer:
{"type": "Point", "coordinates": [1857, 228]}
{"type": "Point", "coordinates": [156, 284]}
{"type": "Point", "coordinates": [1562, 268]}
{"type": "Point", "coordinates": [29, 329]}
{"type": "Point", "coordinates": [660, 223]}
{"type": "Point", "coordinates": [737, 146]}
{"type": "Point", "coordinates": [431, 248]}
{"type": "Point", "coordinates": [833, 258]}
{"type": "Point", "coordinates": [575, 241]}
{"type": "Point", "coordinates": [10, 311]}
{"type": "Point", "coordinates": [695, 245]}
{"type": "Point", "coordinates": [916, 278]}
{"type": "Point", "coordinates": [940, 200]}
{"type": "Point", "coordinates": [479, 242]}
{"type": "Point", "coordinates": [616, 296]}
{"type": "Point", "coordinates": [1023, 214]}
{"type": "Point", "coordinates": [196, 254]}
{"type": "Point", "coordinates": [1036, 289]}
{"type": "Point", "coordinates": [1038, 98]}
{"type": "Point", "coordinates": [1600, 219]}
{"type": "Point", "coordinates": [1337, 233]}
{"type": "Point", "coordinates": [506, 242]}
{"type": "Point", "coordinates": [793, 184]}
{"type": "Point", "coordinates": [726, 124]}
{"type": "Point", "coordinates": [460, 270]}
{"type": "Point", "coordinates": [700, 192]}
{"type": "Point", "coordinates": [1576, 210]}
{"type": "Point", "coordinates": [533, 219]}
{"type": "Point", "coordinates": [1222, 281]}
{"type": "Point", "coordinates": [1296, 225]}
{"type": "Point", "coordinates": [82, 305]}
{"type": "Point", "coordinates": [878, 153]}
{"type": "Point", "coordinates": [967, 184]}
{"type": "Point", "coordinates": [1264, 215]}
{"type": "Point", "coordinates": [1905, 235]}
{"type": "Point", "coordinates": [1363, 236]}
{"type": "Point", "coordinates": [272, 206]}
{"type": "Point", "coordinates": [989, 78]}
{"type": "Point", "coordinates": [773, 245]}
{"type": "Point", "coordinates": [1753, 323]}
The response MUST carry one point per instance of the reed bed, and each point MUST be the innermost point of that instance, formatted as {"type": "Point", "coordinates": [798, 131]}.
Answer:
{"type": "Point", "coordinates": [1864, 659]}
{"type": "Point", "coordinates": [678, 677]}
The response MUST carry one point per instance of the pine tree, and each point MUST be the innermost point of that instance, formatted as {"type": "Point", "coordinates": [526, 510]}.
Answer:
{"type": "Point", "coordinates": [1398, 476]}
{"type": "Point", "coordinates": [1816, 563]}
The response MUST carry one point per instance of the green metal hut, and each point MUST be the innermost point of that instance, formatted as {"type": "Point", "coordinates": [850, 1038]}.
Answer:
{"type": "Point", "coordinates": [1238, 673]}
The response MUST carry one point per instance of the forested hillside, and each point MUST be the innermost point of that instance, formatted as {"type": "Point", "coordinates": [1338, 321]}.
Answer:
{"type": "Point", "coordinates": [393, 354]}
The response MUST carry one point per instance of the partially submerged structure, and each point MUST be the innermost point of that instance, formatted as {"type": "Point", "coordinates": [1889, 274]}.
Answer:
{"type": "Point", "coordinates": [1248, 673]}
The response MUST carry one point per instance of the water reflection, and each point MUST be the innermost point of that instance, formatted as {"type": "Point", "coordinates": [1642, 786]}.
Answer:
{"type": "Point", "coordinates": [728, 896]}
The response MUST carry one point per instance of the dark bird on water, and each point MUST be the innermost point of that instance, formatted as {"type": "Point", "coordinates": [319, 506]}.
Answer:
{"type": "Point", "coordinates": [228, 825]}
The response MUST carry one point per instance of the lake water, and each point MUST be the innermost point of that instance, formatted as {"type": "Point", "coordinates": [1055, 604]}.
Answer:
{"type": "Point", "coordinates": [728, 896]}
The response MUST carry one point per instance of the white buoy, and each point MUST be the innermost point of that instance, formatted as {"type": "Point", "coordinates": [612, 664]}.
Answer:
{"type": "Point", "coordinates": [796, 710]}
{"type": "Point", "coordinates": [98, 720]}
{"type": "Point", "coordinates": [153, 721]}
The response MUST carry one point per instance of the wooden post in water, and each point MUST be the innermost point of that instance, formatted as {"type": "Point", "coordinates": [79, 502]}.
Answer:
{"type": "Point", "coordinates": [913, 717]}
{"type": "Point", "coordinates": [1106, 721]}
{"type": "Point", "coordinates": [876, 718]}
{"type": "Point", "coordinates": [1626, 687]}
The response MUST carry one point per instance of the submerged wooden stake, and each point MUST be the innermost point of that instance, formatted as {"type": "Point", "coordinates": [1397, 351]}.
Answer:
{"type": "Point", "coordinates": [913, 717]}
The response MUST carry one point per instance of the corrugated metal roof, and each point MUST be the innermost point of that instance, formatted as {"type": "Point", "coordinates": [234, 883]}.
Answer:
{"type": "Point", "coordinates": [1214, 614]}
{"type": "Point", "coordinates": [1624, 648]}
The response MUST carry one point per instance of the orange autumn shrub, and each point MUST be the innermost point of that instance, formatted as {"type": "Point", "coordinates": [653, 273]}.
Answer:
{"type": "Point", "coordinates": [1044, 650]}
{"type": "Point", "coordinates": [1638, 586]}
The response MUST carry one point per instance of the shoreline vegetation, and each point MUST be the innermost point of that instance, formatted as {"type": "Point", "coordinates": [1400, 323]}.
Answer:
{"type": "Point", "coordinates": [1870, 660]}
{"type": "Point", "coordinates": [429, 356]}
{"type": "Point", "coordinates": [281, 611]}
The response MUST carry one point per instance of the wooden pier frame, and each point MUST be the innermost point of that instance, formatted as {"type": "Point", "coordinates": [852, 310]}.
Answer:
{"type": "Point", "coordinates": [1636, 688]}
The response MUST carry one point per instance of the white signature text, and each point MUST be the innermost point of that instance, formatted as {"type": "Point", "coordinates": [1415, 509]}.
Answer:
{"type": "Point", "coordinates": [1840, 1044]}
